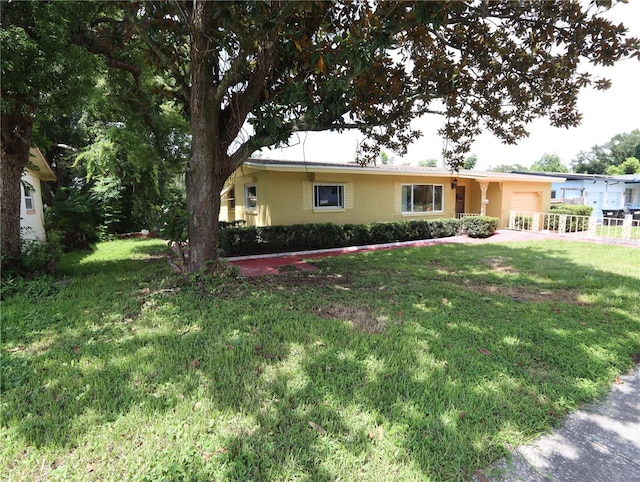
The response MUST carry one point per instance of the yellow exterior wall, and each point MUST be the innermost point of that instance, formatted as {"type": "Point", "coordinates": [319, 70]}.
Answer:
{"type": "Point", "coordinates": [285, 197]}
{"type": "Point", "coordinates": [542, 189]}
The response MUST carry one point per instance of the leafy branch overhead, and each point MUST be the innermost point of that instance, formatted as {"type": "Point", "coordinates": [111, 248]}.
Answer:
{"type": "Point", "coordinates": [284, 67]}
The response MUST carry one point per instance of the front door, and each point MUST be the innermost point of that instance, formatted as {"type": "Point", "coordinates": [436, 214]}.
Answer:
{"type": "Point", "coordinates": [460, 190]}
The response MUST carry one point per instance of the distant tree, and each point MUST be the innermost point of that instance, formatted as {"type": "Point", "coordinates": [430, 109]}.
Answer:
{"type": "Point", "coordinates": [470, 162]}
{"type": "Point", "coordinates": [549, 163]}
{"type": "Point", "coordinates": [612, 153]}
{"type": "Point", "coordinates": [428, 163]}
{"type": "Point", "coordinates": [509, 168]}
{"type": "Point", "coordinates": [386, 158]}
{"type": "Point", "coordinates": [630, 166]}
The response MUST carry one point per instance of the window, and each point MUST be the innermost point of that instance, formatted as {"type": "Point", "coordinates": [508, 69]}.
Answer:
{"type": "Point", "coordinates": [328, 196]}
{"type": "Point", "coordinates": [28, 198]}
{"type": "Point", "coordinates": [231, 198]}
{"type": "Point", "coordinates": [250, 197]}
{"type": "Point", "coordinates": [553, 194]}
{"type": "Point", "coordinates": [420, 198]}
{"type": "Point", "coordinates": [628, 196]}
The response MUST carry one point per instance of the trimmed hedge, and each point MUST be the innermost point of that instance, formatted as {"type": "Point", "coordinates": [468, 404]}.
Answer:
{"type": "Point", "coordinates": [240, 241]}
{"type": "Point", "coordinates": [480, 226]}
{"type": "Point", "coordinates": [574, 209]}
{"type": "Point", "coordinates": [574, 224]}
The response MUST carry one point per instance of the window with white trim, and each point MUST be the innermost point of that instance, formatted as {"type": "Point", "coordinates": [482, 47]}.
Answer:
{"type": "Point", "coordinates": [28, 198]}
{"type": "Point", "coordinates": [250, 197]}
{"type": "Point", "coordinates": [422, 198]}
{"type": "Point", "coordinates": [628, 196]}
{"type": "Point", "coordinates": [328, 196]}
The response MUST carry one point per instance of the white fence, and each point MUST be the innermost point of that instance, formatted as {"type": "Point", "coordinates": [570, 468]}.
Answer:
{"type": "Point", "coordinates": [614, 230]}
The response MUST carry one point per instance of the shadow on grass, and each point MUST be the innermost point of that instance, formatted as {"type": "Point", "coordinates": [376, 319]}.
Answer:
{"type": "Point", "coordinates": [459, 374]}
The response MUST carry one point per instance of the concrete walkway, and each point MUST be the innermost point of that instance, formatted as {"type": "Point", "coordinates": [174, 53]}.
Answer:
{"type": "Point", "coordinates": [600, 443]}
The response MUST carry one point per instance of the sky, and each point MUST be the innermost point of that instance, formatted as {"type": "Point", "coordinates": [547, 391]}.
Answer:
{"type": "Point", "coordinates": [605, 114]}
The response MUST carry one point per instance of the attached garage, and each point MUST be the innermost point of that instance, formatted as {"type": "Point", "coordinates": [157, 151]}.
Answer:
{"type": "Point", "coordinates": [526, 201]}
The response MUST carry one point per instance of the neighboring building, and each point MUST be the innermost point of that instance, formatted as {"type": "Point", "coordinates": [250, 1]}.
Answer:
{"type": "Point", "coordinates": [601, 192]}
{"type": "Point", "coordinates": [31, 211]}
{"type": "Point", "coordinates": [268, 192]}
{"type": "Point", "coordinates": [631, 191]}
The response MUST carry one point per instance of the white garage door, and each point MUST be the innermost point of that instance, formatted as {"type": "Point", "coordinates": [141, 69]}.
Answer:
{"type": "Point", "coordinates": [525, 201]}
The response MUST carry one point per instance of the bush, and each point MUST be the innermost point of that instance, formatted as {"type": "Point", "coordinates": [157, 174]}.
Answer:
{"type": "Point", "coordinates": [480, 226]}
{"type": "Point", "coordinates": [298, 237]}
{"type": "Point", "coordinates": [445, 228]}
{"type": "Point", "coordinates": [74, 214]}
{"type": "Point", "coordinates": [573, 209]}
{"type": "Point", "coordinates": [28, 273]}
{"type": "Point", "coordinates": [523, 222]}
{"type": "Point", "coordinates": [577, 217]}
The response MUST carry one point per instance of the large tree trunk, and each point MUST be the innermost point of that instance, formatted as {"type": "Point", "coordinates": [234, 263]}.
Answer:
{"type": "Point", "coordinates": [14, 156]}
{"type": "Point", "coordinates": [209, 164]}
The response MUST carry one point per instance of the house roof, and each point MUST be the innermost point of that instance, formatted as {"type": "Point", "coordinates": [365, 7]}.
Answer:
{"type": "Point", "coordinates": [39, 166]}
{"type": "Point", "coordinates": [570, 176]}
{"type": "Point", "coordinates": [392, 169]}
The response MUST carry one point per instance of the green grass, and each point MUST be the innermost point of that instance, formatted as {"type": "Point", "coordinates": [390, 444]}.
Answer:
{"type": "Point", "coordinates": [610, 231]}
{"type": "Point", "coordinates": [412, 364]}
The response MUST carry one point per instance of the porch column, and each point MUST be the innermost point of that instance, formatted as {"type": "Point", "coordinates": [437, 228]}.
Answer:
{"type": "Point", "coordinates": [484, 185]}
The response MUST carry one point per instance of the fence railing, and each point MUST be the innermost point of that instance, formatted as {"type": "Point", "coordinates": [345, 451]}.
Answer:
{"type": "Point", "coordinates": [611, 229]}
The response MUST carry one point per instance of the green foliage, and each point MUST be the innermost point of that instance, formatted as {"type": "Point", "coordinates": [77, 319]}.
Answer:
{"type": "Point", "coordinates": [75, 215]}
{"type": "Point", "coordinates": [23, 276]}
{"type": "Point", "coordinates": [509, 168]}
{"type": "Point", "coordinates": [630, 166]}
{"type": "Point", "coordinates": [523, 222]}
{"type": "Point", "coordinates": [573, 209]}
{"type": "Point", "coordinates": [613, 153]}
{"type": "Point", "coordinates": [480, 226]}
{"type": "Point", "coordinates": [549, 163]}
{"type": "Point", "coordinates": [277, 239]}
{"type": "Point", "coordinates": [386, 158]}
{"type": "Point", "coordinates": [470, 162]}
{"type": "Point", "coordinates": [577, 217]}
{"type": "Point", "coordinates": [40, 69]}
{"type": "Point", "coordinates": [428, 163]}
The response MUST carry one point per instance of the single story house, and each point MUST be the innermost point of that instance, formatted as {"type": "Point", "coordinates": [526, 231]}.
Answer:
{"type": "Point", "coordinates": [270, 192]}
{"type": "Point", "coordinates": [31, 209]}
{"type": "Point", "coordinates": [603, 193]}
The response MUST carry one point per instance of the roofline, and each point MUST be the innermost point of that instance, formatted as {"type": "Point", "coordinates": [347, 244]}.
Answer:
{"type": "Point", "coordinates": [44, 171]}
{"type": "Point", "coordinates": [574, 176]}
{"type": "Point", "coordinates": [294, 166]}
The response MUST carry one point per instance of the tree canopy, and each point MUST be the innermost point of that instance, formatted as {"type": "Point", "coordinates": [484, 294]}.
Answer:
{"type": "Point", "coordinates": [250, 74]}
{"type": "Point", "coordinates": [630, 166]}
{"type": "Point", "coordinates": [612, 153]}
{"type": "Point", "coordinates": [509, 168]}
{"type": "Point", "coordinates": [549, 163]}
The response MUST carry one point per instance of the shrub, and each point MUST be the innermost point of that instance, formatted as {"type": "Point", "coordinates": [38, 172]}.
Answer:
{"type": "Point", "coordinates": [444, 228]}
{"type": "Point", "coordinates": [577, 217]}
{"type": "Point", "coordinates": [523, 222]}
{"type": "Point", "coordinates": [297, 237]}
{"type": "Point", "coordinates": [480, 226]}
{"type": "Point", "coordinates": [74, 214]}
{"type": "Point", "coordinates": [574, 209]}
{"type": "Point", "coordinates": [28, 274]}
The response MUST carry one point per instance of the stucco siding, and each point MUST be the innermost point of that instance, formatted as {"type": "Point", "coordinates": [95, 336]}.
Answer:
{"type": "Point", "coordinates": [287, 198]}
{"type": "Point", "coordinates": [292, 196]}
{"type": "Point", "coordinates": [32, 220]}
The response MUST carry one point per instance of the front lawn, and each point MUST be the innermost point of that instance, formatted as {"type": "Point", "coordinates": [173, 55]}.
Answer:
{"type": "Point", "coordinates": [409, 364]}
